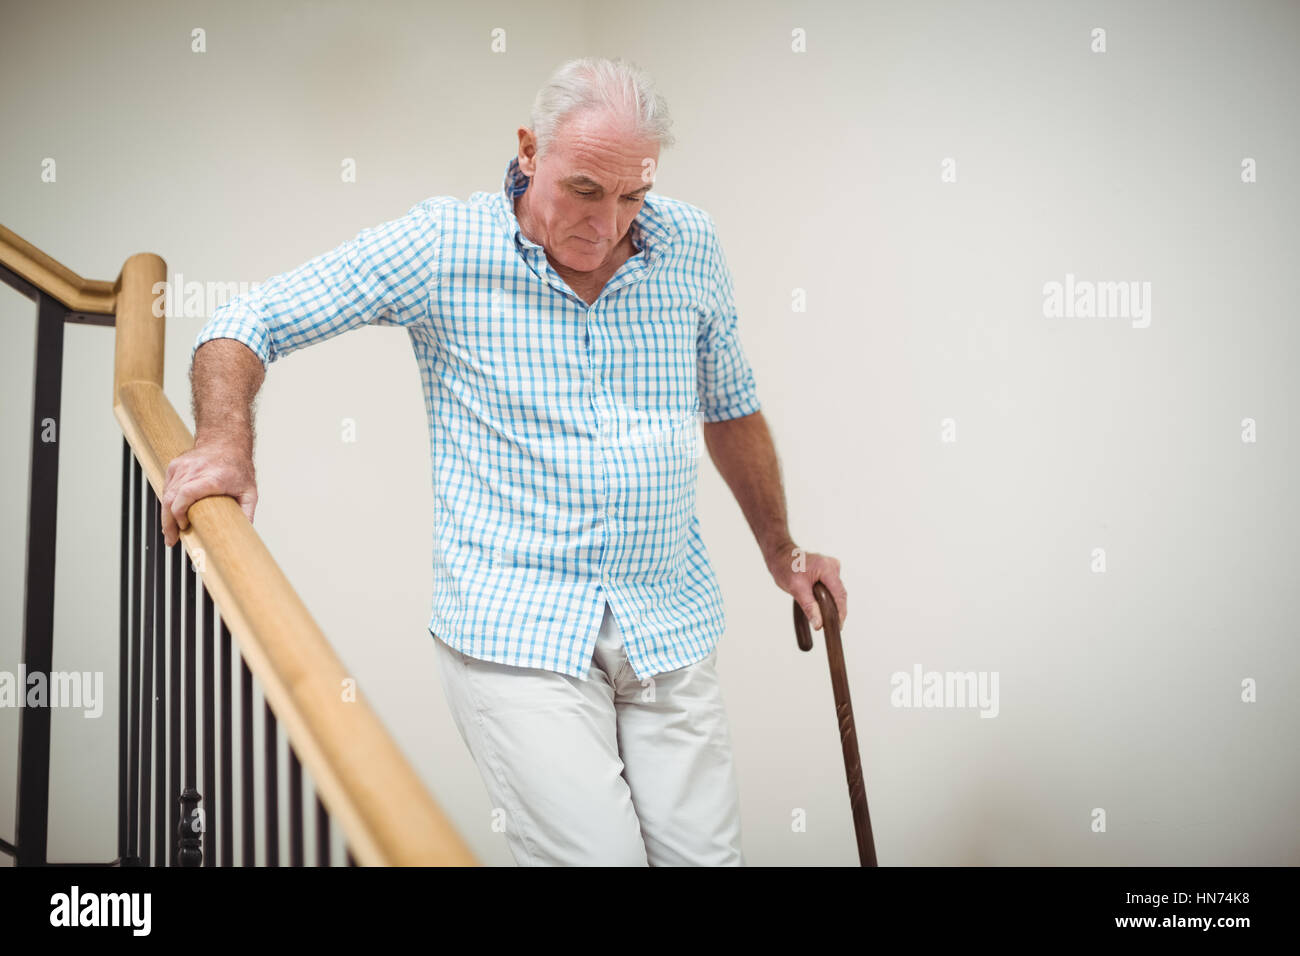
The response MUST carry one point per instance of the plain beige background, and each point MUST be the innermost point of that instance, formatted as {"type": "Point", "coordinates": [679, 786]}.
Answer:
{"type": "Point", "coordinates": [1119, 690]}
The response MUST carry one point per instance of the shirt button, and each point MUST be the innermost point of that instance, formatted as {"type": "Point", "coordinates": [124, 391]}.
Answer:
{"type": "Point", "coordinates": [600, 516]}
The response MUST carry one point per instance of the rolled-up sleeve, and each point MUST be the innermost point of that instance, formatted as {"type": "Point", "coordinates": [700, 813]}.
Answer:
{"type": "Point", "coordinates": [382, 276]}
{"type": "Point", "coordinates": [724, 377]}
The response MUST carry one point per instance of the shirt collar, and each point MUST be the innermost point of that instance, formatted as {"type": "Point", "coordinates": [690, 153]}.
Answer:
{"type": "Point", "coordinates": [651, 231]}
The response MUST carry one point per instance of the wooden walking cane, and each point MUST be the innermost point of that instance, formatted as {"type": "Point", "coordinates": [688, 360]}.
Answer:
{"type": "Point", "coordinates": [843, 710]}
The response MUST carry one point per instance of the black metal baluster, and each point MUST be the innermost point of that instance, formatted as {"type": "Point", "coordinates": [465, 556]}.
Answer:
{"type": "Point", "coordinates": [295, 808]}
{"type": "Point", "coordinates": [161, 800]}
{"type": "Point", "coordinates": [193, 823]}
{"type": "Point", "coordinates": [248, 823]}
{"type": "Point", "coordinates": [31, 824]}
{"type": "Point", "coordinates": [146, 676]}
{"type": "Point", "coordinates": [139, 516]}
{"type": "Point", "coordinates": [322, 834]}
{"type": "Point", "coordinates": [271, 754]}
{"type": "Point", "coordinates": [174, 726]}
{"type": "Point", "coordinates": [227, 828]}
{"type": "Point", "coordinates": [123, 674]}
{"type": "Point", "coordinates": [209, 736]}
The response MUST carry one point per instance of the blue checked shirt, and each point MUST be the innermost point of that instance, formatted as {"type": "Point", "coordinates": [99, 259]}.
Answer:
{"type": "Point", "coordinates": [565, 436]}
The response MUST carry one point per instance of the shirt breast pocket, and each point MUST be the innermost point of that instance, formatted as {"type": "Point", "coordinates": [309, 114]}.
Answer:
{"type": "Point", "coordinates": [475, 326]}
{"type": "Point", "coordinates": [658, 359]}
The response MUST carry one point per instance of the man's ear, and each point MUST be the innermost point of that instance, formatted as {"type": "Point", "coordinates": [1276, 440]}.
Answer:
{"type": "Point", "coordinates": [527, 152]}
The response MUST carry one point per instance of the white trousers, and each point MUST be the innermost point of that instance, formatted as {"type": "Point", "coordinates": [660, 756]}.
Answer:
{"type": "Point", "coordinates": [610, 771]}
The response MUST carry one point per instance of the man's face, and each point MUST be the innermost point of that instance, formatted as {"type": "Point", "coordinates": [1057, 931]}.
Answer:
{"type": "Point", "coordinates": [585, 190]}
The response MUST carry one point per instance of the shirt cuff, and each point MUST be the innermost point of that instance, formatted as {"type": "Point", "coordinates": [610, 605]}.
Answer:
{"type": "Point", "coordinates": [739, 409]}
{"type": "Point", "coordinates": [241, 323]}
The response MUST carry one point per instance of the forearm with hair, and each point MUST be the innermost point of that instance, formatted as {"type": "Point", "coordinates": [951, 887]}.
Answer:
{"type": "Point", "coordinates": [225, 380]}
{"type": "Point", "coordinates": [745, 456]}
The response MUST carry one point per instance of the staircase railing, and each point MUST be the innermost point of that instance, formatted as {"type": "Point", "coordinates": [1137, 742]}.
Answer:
{"type": "Point", "coordinates": [171, 809]}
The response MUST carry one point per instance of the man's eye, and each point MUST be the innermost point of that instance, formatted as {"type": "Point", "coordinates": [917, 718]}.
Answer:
{"type": "Point", "coordinates": [592, 192]}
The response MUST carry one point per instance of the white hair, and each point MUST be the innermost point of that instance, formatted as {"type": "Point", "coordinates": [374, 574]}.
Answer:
{"type": "Point", "coordinates": [602, 85]}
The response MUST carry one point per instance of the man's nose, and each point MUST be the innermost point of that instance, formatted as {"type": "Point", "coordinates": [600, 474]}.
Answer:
{"type": "Point", "coordinates": [605, 223]}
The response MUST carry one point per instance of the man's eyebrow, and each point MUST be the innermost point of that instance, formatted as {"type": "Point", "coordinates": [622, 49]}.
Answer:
{"type": "Point", "coordinates": [581, 179]}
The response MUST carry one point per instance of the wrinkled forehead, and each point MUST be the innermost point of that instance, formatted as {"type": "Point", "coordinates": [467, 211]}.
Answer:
{"type": "Point", "coordinates": [589, 155]}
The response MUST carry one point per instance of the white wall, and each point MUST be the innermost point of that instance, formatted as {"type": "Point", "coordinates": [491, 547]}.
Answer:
{"type": "Point", "coordinates": [1118, 690]}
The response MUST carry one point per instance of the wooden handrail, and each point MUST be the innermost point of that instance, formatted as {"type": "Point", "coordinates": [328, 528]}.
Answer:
{"type": "Point", "coordinates": [54, 278]}
{"type": "Point", "coordinates": [386, 813]}
{"type": "Point", "coordinates": [364, 780]}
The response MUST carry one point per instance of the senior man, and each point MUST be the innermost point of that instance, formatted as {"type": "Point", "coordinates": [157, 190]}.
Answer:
{"type": "Point", "coordinates": [570, 331]}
